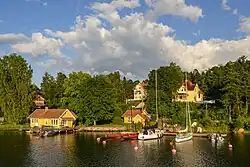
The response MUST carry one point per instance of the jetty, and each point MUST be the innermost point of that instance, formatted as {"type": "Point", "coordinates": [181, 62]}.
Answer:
{"type": "Point", "coordinates": [205, 135]}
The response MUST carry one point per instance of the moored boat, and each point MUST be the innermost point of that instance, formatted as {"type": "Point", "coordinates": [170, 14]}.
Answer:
{"type": "Point", "coordinates": [149, 134]}
{"type": "Point", "coordinates": [127, 136]}
{"type": "Point", "coordinates": [186, 134]}
{"type": "Point", "coordinates": [182, 137]}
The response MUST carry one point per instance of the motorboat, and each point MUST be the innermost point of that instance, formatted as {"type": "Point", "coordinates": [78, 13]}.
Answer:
{"type": "Point", "coordinates": [150, 132]}
{"type": "Point", "coordinates": [48, 133]}
{"type": "Point", "coordinates": [216, 138]}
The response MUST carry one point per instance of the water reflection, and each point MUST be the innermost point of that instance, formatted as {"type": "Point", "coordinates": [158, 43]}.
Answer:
{"type": "Point", "coordinates": [51, 151]}
{"type": "Point", "coordinates": [13, 148]}
{"type": "Point", "coordinates": [82, 149]}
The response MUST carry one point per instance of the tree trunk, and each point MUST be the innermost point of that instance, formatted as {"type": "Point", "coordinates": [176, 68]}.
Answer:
{"type": "Point", "coordinates": [94, 122]}
{"type": "Point", "coordinates": [246, 105]}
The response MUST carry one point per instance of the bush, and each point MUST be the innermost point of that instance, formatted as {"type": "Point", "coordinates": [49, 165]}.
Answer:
{"type": "Point", "coordinates": [240, 122]}
{"type": "Point", "coordinates": [117, 120]}
{"type": "Point", "coordinates": [247, 125]}
{"type": "Point", "coordinates": [206, 122]}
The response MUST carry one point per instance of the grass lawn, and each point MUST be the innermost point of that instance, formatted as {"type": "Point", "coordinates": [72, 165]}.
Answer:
{"type": "Point", "coordinates": [9, 127]}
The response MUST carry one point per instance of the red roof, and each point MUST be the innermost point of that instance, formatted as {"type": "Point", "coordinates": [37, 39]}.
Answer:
{"type": "Point", "coordinates": [190, 85]}
{"type": "Point", "coordinates": [48, 113]}
{"type": "Point", "coordinates": [128, 113]}
{"type": "Point", "coordinates": [142, 84]}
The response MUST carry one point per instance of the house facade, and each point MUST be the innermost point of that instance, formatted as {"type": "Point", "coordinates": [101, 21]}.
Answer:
{"type": "Point", "coordinates": [136, 116]}
{"type": "Point", "coordinates": [189, 92]}
{"type": "Point", "coordinates": [52, 117]}
{"type": "Point", "coordinates": [140, 92]}
{"type": "Point", "coordinates": [39, 101]}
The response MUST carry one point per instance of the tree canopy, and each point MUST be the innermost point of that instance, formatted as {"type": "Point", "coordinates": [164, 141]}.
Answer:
{"type": "Point", "coordinates": [103, 98]}
{"type": "Point", "coordinates": [15, 88]}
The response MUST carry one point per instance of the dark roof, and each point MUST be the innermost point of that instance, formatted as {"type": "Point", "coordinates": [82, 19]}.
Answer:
{"type": "Point", "coordinates": [38, 98]}
{"type": "Point", "coordinates": [48, 113]}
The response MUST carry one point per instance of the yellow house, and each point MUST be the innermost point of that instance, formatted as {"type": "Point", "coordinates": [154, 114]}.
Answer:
{"type": "Point", "coordinates": [136, 116]}
{"type": "Point", "coordinates": [52, 117]}
{"type": "Point", "coordinates": [189, 92]}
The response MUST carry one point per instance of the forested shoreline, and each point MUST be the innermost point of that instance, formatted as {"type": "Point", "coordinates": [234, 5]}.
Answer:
{"type": "Point", "coordinates": [102, 98]}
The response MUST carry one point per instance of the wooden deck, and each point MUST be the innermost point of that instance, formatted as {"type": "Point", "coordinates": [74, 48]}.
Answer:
{"type": "Point", "coordinates": [194, 134]}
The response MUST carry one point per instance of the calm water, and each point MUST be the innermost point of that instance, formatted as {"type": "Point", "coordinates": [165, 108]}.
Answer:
{"type": "Point", "coordinates": [21, 150]}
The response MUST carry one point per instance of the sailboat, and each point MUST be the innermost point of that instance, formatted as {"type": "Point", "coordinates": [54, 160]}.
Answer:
{"type": "Point", "coordinates": [152, 132]}
{"type": "Point", "coordinates": [186, 134]}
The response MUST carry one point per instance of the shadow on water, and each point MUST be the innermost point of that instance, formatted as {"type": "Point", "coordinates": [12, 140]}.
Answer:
{"type": "Point", "coordinates": [82, 149]}
{"type": "Point", "coordinates": [13, 148]}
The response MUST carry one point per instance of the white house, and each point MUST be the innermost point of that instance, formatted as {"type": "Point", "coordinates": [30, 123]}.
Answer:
{"type": "Point", "coordinates": [140, 92]}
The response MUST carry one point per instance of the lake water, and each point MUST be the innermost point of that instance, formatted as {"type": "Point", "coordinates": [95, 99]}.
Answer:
{"type": "Point", "coordinates": [82, 149]}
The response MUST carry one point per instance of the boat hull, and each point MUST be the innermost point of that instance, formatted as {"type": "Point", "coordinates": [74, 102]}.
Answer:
{"type": "Point", "coordinates": [149, 137]}
{"type": "Point", "coordinates": [152, 136]}
{"type": "Point", "coordinates": [184, 138]}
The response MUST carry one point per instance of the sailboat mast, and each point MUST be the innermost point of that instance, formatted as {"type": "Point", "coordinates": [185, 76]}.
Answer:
{"type": "Point", "coordinates": [186, 101]}
{"type": "Point", "coordinates": [156, 98]}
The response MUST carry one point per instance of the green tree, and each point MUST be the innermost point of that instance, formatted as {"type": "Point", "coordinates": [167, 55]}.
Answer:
{"type": "Point", "coordinates": [48, 87]}
{"type": "Point", "coordinates": [15, 88]}
{"type": "Point", "coordinates": [169, 80]}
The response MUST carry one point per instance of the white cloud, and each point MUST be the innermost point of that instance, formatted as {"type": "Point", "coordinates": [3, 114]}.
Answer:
{"type": "Point", "coordinates": [2, 53]}
{"type": "Point", "coordinates": [224, 4]}
{"type": "Point", "coordinates": [244, 25]}
{"type": "Point", "coordinates": [133, 45]}
{"type": "Point", "coordinates": [175, 8]}
{"type": "Point", "coordinates": [39, 45]}
{"type": "Point", "coordinates": [12, 38]}
{"type": "Point", "coordinates": [43, 3]}
{"type": "Point", "coordinates": [235, 12]}
{"type": "Point", "coordinates": [198, 33]}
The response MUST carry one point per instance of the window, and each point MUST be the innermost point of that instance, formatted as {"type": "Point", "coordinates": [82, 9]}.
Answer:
{"type": "Point", "coordinates": [129, 119]}
{"type": "Point", "coordinates": [34, 120]}
{"type": "Point", "coordinates": [64, 122]}
{"type": "Point", "coordinates": [199, 95]}
{"type": "Point", "coordinates": [54, 122]}
{"type": "Point", "coordinates": [46, 122]}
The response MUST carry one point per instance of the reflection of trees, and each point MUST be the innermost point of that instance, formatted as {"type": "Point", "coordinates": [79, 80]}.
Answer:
{"type": "Point", "coordinates": [14, 148]}
{"type": "Point", "coordinates": [53, 151]}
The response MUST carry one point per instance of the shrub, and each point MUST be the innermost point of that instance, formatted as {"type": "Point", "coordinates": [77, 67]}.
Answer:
{"type": "Point", "coordinates": [240, 122]}
{"type": "Point", "coordinates": [117, 120]}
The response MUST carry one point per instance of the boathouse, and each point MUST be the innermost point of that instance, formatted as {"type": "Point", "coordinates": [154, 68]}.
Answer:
{"type": "Point", "coordinates": [52, 117]}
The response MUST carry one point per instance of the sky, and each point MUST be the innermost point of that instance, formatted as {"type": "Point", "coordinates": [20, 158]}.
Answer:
{"type": "Point", "coordinates": [129, 36]}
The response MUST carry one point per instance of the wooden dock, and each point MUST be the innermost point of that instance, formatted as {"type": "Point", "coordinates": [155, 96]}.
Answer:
{"type": "Point", "coordinates": [194, 134]}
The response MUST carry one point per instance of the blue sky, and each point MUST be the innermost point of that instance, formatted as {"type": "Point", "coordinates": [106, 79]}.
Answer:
{"type": "Point", "coordinates": [122, 35]}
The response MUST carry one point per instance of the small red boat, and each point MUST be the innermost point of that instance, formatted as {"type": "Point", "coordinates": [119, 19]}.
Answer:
{"type": "Point", "coordinates": [127, 136]}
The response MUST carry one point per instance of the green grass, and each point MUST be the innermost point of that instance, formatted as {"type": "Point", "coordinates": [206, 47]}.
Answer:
{"type": "Point", "coordinates": [11, 127]}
